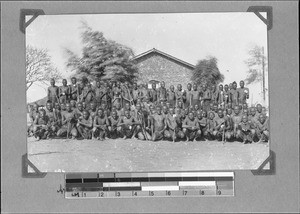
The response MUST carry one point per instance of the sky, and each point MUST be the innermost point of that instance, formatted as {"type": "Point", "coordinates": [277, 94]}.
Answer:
{"type": "Point", "coordinates": [187, 36]}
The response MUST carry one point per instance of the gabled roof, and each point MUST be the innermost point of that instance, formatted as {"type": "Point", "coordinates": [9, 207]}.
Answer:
{"type": "Point", "coordinates": [165, 55]}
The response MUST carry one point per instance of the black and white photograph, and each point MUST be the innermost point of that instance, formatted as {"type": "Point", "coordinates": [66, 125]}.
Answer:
{"type": "Point", "coordinates": [147, 92]}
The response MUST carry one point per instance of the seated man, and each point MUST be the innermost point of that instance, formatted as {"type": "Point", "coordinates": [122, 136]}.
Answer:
{"type": "Point", "coordinates": [85, 125]}
{"type": "Point", "coordinates": [93, 110]}
{"type": "Point", "coordinates": [68, 123]}
{"type": "Point", "coordinates": [158, 125]}
{"type": "Point", "coordinates": [222, 128]}
{"type": "Point", "coordinates": [173, 130]}
{"type": "Point", "coordinates": [129, 126]}
{"type": "Point", "coordinates": [113, 128]}
{"type": "Point", "coordinates": [245, 128]}
{"type": "Point", "coordinates": [211, 126]}
{"type": "Point", "coordinates": [100, 126]}
{"type": "Point", "coordinates": [191, 127]}
{"type": "Point", "coordinates": [203, 123]}
{"type": "Point", "coordinates": [262, 129]}
{"type": "Point", "coordinates": [41, 125]}
{"type": "Point", "coordinates": [140, 115]}
{"type": "Point", "coordinates": [32, 115]}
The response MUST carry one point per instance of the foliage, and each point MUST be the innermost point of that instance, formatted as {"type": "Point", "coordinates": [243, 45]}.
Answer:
{"type": "Point", "coordinates": [39, 67]}
{"type": "Point", "coordinates": [102, 58]}
{"type": "Point", "coordinates": [255, 64]}
{"type": "Point", "coordinates": [207, 72]}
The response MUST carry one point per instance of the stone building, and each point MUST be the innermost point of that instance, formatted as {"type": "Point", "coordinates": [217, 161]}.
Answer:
{"type": "Point", "coordinates": [156, 66]}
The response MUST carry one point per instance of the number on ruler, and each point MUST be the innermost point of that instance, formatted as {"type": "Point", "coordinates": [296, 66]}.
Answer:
{"type": "Point", "coordinates": [184, 192]}
{"type": "Point", "coordinates": [101, 194]}
{"type": "Point", "coordinates": [118, 194]}
{"type": "Point", "coordinates": [134, 193]}
{"type": "Point", "coordinates": [151, 193]}
{"type": "Point", "coordinates": [201, 192]}
{"type": "Point", "coordinates": [219, 192]}
{"type": "Point", "coordinates": [168, 192]}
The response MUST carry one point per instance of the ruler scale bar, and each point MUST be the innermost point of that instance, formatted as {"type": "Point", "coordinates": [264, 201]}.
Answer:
{"type": "Point", "coordinates": [170, 184]}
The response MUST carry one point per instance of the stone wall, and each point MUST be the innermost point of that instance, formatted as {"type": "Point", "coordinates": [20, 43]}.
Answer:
{"type": "Point", "coordinates": [155, 66]}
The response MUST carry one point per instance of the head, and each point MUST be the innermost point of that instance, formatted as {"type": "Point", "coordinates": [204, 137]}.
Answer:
{"type": "Point", "coordinates": [73, 80]}
{"type": "Point", "coordinates": [245, 106]}
{"type": "Point", "coordinates": [191, 115]}
{"type": "Point", "coordinates": [234, 85]}
{"type": "Point", "coordinates": [245, 112]}
{"type": "Point", "coordinates": [204, 114]}
{"type": "Point", "coordinates": [259, 108]}
{"type": "Point", "coordinates": [165, 109]}
{"type": "Point", "coordinates": [264, 110]}
{"type": "Point", "coordinates": [168, 104]}
{"type": "Point", "coordinates": [80, 106]}
{"type": "Point", "coordinates": [162, 84]}
{"type": "Point", "coordinates": [57, 106]}
{"type": "Point", "coordinates": [98, 84]}
{"type": "Point", "coordinates": [195, 87]}
{"type": "Point", "coordinates": [252, 111]}
{"type": "Point", "coordinates": [245, 118]}
{"type": "Point", "coordinates": [262, 118]}
{"type": "Point", "coordinates": [226, 87]}
{"type": "Point", "coordinates": [134, 86]}
{"type": "Point", "coordinates": [93, 106]}
{"type": "Point", "coordinates": [236, 110]}
{"type": "Point", "coordinates": [68, 107]}
{"type": "Point", "coordinates": [172, 88]}
{"type": "Point", "coordinates": [158, 110]}
{"type": "Point", "coordinates": [221, 87]}
{"type": "Point", "coordinates": [138, 107]}
{"type": "Point", "coordinates": [127, 106]}
{"type": "Point", "coordinates": [52, 82]}
{"type": "Point", "coordinates": [242, 84]}
{"type": "Point", "coordinates": [180, 105]}
{"type": "Point", "coordinates": [153, 86]}
{"type": "Point", "coordinates": [85, 114]}
{"type": "Point", "coordinates": [220, 113]}
{"type": "Point", "coordinates": [229, 111]}
{"type": "Point", "coordinates": [100, 112]}
{"type": "Point", "coordinates": [204, 87]}
{"type": "Point", "coordinates": [35, 107]}
{"type": "Point", "coordinates": [118, 106]}
{"type": "Point", "coordinates": [49, 106]}
{"type": "Point", "coordinates": [42, 112]}
{"type": "Point", "coordinates": [178, 111]}
{"type": "Point", "coordinates": [127, 114]}
{"type": "Point", "coordinates": [103, 106]}
{"type": "Point", "coordinates": [211, 106]}
{"type": "Point", "coordinates": [211, 115]}
{"type": "Point", "coordinates": [64, 82]}
{"type": "Point", "coordinates": [114, 114]}
{"type": "Point", "coordinates": [199, 115]}
{"type": "Point", "coordinates": [179, 87]}
{"type": "Point", "coordinates": [196, 107]}
{"type": "Point", "coordinates": [230, 86]}
{"type": "Point", "coordinates": [213, 87]}
{"type": "Point", "coordinates": [215, 107]}
{"type": "Point", "coordinates": [189, 86]}
{"type": "Point", "coordinates": [171, 110]}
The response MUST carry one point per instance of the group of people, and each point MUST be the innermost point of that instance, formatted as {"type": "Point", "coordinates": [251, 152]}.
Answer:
{"type": "Point", "coordinates": [111, 110]}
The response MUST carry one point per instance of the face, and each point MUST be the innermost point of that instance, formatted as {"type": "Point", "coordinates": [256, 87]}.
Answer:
{"type": "Point", "coordinates": [73, 80]}
{"type": "Point", "coordinates": [57, 106]}
{"type": "Point", "coordinates": [204, 114]}
{"type": "Point", "coordinates": [93, 106]}
{"type": "Point", "coordinates": [158, 110]}
{"type": "Point", "coordinates": [189, 86]}
{"type": "Point", "coordinates": [245, 111]}
{"type": "Point", "coordinates": [135, 86]}
{"type": "Point", "coordinates": [179, 104]}
{"type": "Point", "coordinates": [245, 118]}
{"type": "Point", "coordinates": [259, 108]}
{"type": "Point", "coordinates": [85, 114]}
{"type": "Point", "coordinates": [153, 86]}
{"type": "Point", "coordinates": [49, 106]}
{"type": "Point", "coordinates": [162, 84]}
{"type": "Point", "coordinates": [79, 106]}
{"type": "Point", "coordinates": [171, 111]}
{"type": "Point", "coordinates": [199, 115]}
{"type": "Point", "coordinates": [114, 114]}
{"type": "Point", "coordinates": [242, 84]}
{"type": "Point", "coordinates": [52, 82]}
{"type": "Point", "coordinates": [98, 84]}
{"type": "Point", "coordinates": [221, 87]}
{"type": "Point", "coordinates": [127, 106]}
{"type": "Point", "coordinates": [229, 111]}
{"type": "Point", "coordinates": [230, 86]}
{"type": "Point", "coordinates": [118, 105]}
{"type": "Point", "coordinates": [226, 87]}
{"type": "Point", "coordinates": [62, 106]}
{"type": "Point", "coordinates": [194, 87]}
{"type": "Point", "coordinates": [72, 102]}
{"type": "Point", "coordinates": [64, 82]}
{"type": "Point", "coordinates": [84, 105]}
{"type": "Point", "coordinates": [211, 115]}
{"type": "Point", "coordinates": [127, 114]}
{"type": "Point", "coordinates": [100, 112]}
{"type": "Point", "coordinates": [179, 87]}
{"type": "Point", "coordinates": [103, 106]}
{"type": "Point", "coordinates": [196, 107]}
{"type": "Point", "coordinates": [236, 110]}
{"type": "Point", "coordinates": [138, 107]}
{"type": "Point", "coordinates": [213, 87]}
{"type": "Point", "coordinates": [42, 113]}
{"type": "Point", "coordinates": [245, 106]}
{"type": "Point", "coordinates": [165, 109]}
{"type": "Point", "coordinates": [211, 106]}
{"type": "Point", "coordinates": [168, 105]}
{"type": "Point", "coordinates": [220, 113]}
{"type": "Point", "coordinates": [215, 108]}
{"type": "Point", "coordinates": [68, 107]}
{"type": "Point", "coordinates": [262, 118]}
{"type": "Point", "coordinates": [172, 88]}
{"type": "Point", "coordinates": [35, 107]}
{"type": "Point", "coordinates": [191, 116]}
{"type": "Point", "coordinates": [234, 85]}
{"type": "Point", "coordinates": [178, 111]}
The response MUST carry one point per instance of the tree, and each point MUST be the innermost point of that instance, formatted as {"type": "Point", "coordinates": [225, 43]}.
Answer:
{"type": "Point", "coordinates": [257, 64]}
{"type": "Point", "coordinates": [207, 72]}
{"type": "Point", "coordinates": [39, 67]}
{"type": "Point", "coordinates": [102, 58]}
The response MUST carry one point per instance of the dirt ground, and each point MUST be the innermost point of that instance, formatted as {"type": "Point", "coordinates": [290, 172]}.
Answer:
{"type": "Point", "coordinates": [62, 155]}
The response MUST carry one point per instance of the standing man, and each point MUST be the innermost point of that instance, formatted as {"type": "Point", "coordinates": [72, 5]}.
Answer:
{"type": "Point", "coordinates": [41, 125]}
{"type": "Point", "coordinates": [135, 93]}
{"type": "Point", "coordinates": [162, 92]}
{"type": "Point", "coordinates": [171, 96]}
{"type": "Point", "coordinates": [180, 95]}
{"type": "Point", "coordinates": [195, 95]}
{"type": "Point", "coordinates": [214, 94]}
{"type": "Point", "coordinates": [53, 92]}
{"type": "Point", "coordinates": [234, 94]}
{"type": "Point", "coordinates": [64, 92]}
{"type": "Point", "coordinates": [74, 89]}
{"type": "Point", "coordinates": [153, 94]}
{"type": "Point", "coordinates": [226, 95]}
{"type": "Point", "coordinates": [243, 93]}
{"type": "Point", "coordinates": [98, 93]}
{"type": "Point", "coordinates": [220, 96]}
{"type": "Point", "coordinates": [189, 96]}
{"type": "Point", "coordinates": [205, 98]}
